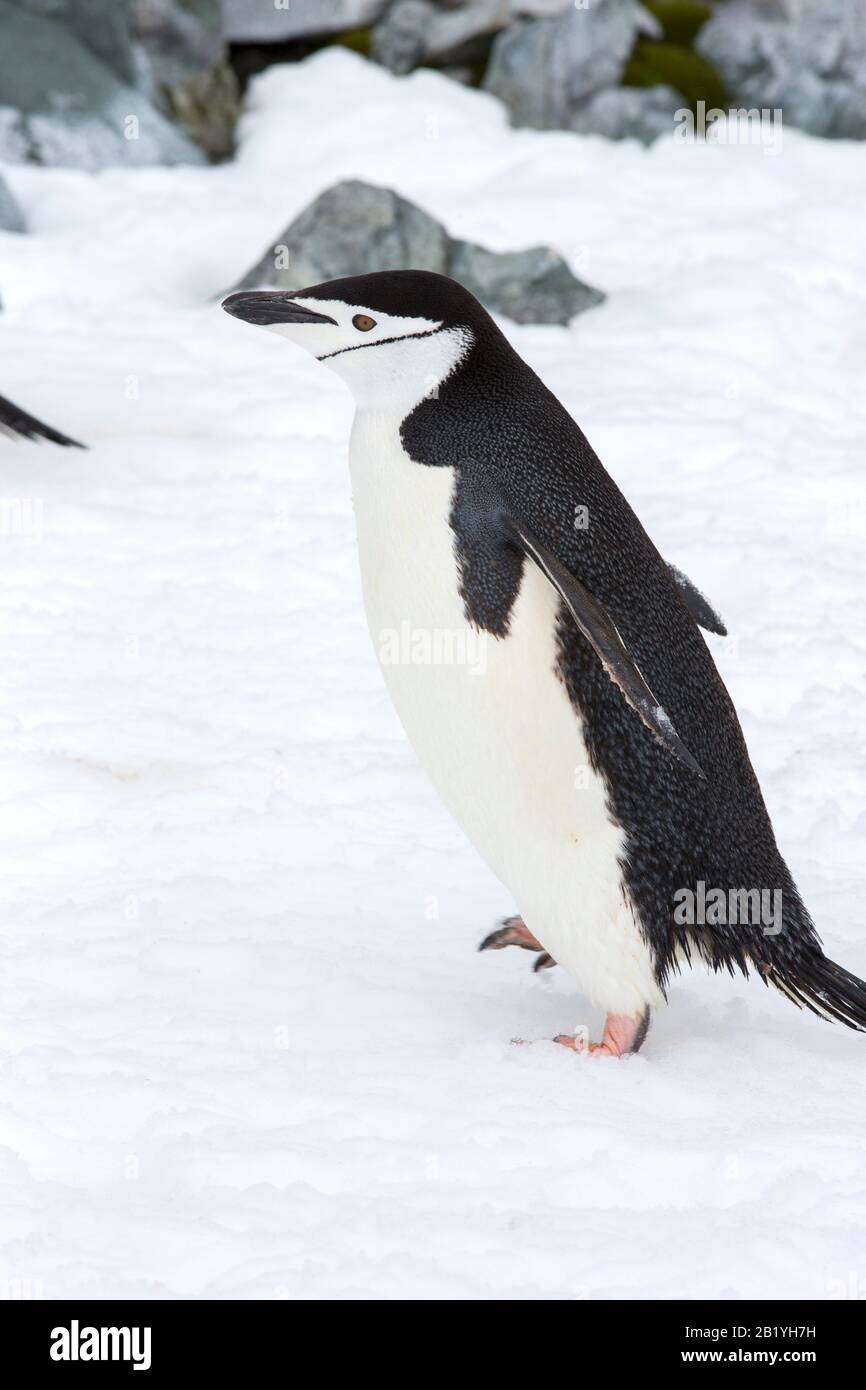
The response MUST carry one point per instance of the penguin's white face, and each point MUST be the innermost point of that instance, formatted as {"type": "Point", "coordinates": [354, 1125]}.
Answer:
{"type": "Point", "coordinates": [386, 359]}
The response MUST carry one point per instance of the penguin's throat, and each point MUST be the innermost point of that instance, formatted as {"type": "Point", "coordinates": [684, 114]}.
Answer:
{"type": "Point", "coordinates": [392, 378]}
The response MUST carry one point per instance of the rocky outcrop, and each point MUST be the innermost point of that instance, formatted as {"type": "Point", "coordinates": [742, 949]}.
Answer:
{"type": "Point", "coordinates": [809, 60]}
{"type": "Point", "coordinates": [354, 228]}
{"type": "Point", "coordinates": [98, 82]}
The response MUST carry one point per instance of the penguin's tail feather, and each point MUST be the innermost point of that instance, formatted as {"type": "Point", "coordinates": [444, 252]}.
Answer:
{"type": "Point", "coordinates": [827, 989]}
{"type": "Point", "coordinates": [17, 424]}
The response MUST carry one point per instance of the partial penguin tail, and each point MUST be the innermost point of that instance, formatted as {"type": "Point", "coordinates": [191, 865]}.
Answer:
{"type": "Point", "coordinates": [17, 424]}
{"type": "Point", "coordinates": [816, 983]}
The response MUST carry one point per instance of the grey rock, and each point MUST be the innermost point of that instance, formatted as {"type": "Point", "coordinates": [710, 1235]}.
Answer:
{"type": "Point", "coordinates": [531, 286]}
{"type": "Point", "coordinates": [418, 31]}
{"type": "Point", "coordinates": [629, 113]}
{"type": "Point", "coordinates": [400, 39]}
{"type": "Point", "coordinates": [350, 229]}
{"type": "Point", "coordinates": [11, 216]}
{"type": "Point", "coordinates": [446, 33]}
{"type": "Point", "coordinates": [100, 25]}
{"type": "Point", "coordinates": [261, 21]}
{"type": "Point", "coordinates": [171, 50]}
{"type": "Point", "coordinates": [807, 59]}
{"type": "Point", "coordinates": [355, 228]}
{"type": "Point", "coordinates": [545, 70]}
{"type": "Point", "coordinates": [207, 105]}
{"type": "Point", "coordinates": [539, 9]}
{"type": "Point", "coordinates": [183, 67]}
{"type": "Point", "coordinates": [177, 38]}
{"type": "Point", "coordinates": [72, 108]}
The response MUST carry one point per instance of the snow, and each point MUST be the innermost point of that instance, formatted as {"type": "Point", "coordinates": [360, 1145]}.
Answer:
{"type": "Point", "coordinates": [248, 1046]}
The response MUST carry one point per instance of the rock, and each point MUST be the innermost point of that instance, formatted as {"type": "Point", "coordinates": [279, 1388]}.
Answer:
{"type": "Point", "coordinates": [177, 38]}
{"type": "Point", "coordinates": [448, 33]}
{"type": "Point", "coordinates": [207, 105]}
{"type": "Point", "coordinates": [418, 31]}
{"type": "Point", "coordinates": [100, 25]}
{"type": "Point", "coordinates": [71, 107]}
{"type": "Point", "coordinates": [809, 60]}
{"type": "Point", "coordinates": [532, 286]}
{"type": "Point", "coordinates": [184, 68]}
{"type": "Point", "coordinates": [629, 113]}
{"type": "Point", "coordinates": [265, 21]}
{"type": "Point", "coordinates": [354, 228]}
{"type": "Point", "coordinates": [350, 229]}
{"type": "Point", "coordinates": [400, 39]}
{"type": "Point", "coordinates": [173, 51]}
{"type": "Point", "coordinates": [11, 216]}
{"type": "Point", "coordinates": [563, 72]}
{"type": "Point", "coordinates": [540, 9]}
{"type": "Point", "coordinates": [546, 70]}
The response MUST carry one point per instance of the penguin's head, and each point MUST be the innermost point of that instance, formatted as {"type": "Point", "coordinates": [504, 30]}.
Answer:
{"type": "Point", "coordinates": [393, 336]}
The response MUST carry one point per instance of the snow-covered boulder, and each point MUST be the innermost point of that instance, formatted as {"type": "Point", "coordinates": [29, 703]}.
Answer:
{"type": "Point", "coordinates": [355, 227]}
{"type": "Point", "coordinates": [809, 59]}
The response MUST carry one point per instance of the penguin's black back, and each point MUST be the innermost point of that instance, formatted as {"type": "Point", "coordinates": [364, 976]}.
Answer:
{"type": "Point", "coordinates": [496, 423]}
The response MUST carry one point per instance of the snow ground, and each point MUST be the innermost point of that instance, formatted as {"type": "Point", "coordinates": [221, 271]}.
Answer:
{"type": "Point", "coordinates": [248, 1047]}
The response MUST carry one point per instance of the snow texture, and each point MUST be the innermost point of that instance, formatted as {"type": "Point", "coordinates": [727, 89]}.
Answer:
{"type": "Point", "coordinates": [248, 1046]}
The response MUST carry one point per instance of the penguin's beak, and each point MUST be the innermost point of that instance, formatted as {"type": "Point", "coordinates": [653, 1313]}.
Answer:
{"type": "Point", "coordinates": [269, 307]}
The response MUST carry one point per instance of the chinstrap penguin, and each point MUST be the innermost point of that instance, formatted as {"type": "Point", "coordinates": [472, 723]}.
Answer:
{"type": "Point", "coordinates": [593, 755]}
{"type": "Point", "coordinates": [17, 424]}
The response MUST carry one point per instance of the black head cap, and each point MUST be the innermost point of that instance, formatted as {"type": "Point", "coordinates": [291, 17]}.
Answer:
{"type": "Point", "coordinates": [413, 293]}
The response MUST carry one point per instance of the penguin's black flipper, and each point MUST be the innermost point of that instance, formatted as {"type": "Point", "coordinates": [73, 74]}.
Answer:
{"type": "Point", "coordinates": [18, 424]}
{"type": "Point", "coordinates": [600, 630]}
{"type": "Point", "coordinates": [700, 608]}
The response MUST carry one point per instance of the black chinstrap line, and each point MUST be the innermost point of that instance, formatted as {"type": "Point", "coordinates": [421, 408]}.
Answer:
{"type": "Point", "coordinates": [380, 342]}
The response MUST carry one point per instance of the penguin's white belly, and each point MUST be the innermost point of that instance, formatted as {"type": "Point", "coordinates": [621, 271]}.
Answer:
{"type": "Point", "coordinates": [492, 724]}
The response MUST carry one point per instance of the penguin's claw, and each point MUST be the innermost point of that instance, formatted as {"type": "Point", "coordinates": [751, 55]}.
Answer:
{"type": "Point", "coordinates": [514, 932]}
{"type": "Point", "coordinates": [621, 1036]}
{"type": "Point", "coordinates": [591, 1049]}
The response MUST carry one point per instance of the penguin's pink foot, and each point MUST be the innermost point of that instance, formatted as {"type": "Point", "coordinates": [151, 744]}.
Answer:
{"type": "Point", "coordinates": [622, 1035]}
{"type": "Point", "coordinates": [515, 932]}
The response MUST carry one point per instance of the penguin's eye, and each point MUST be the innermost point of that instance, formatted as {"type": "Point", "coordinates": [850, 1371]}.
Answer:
{"type": "Point", "coordinates": [364, 322]}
